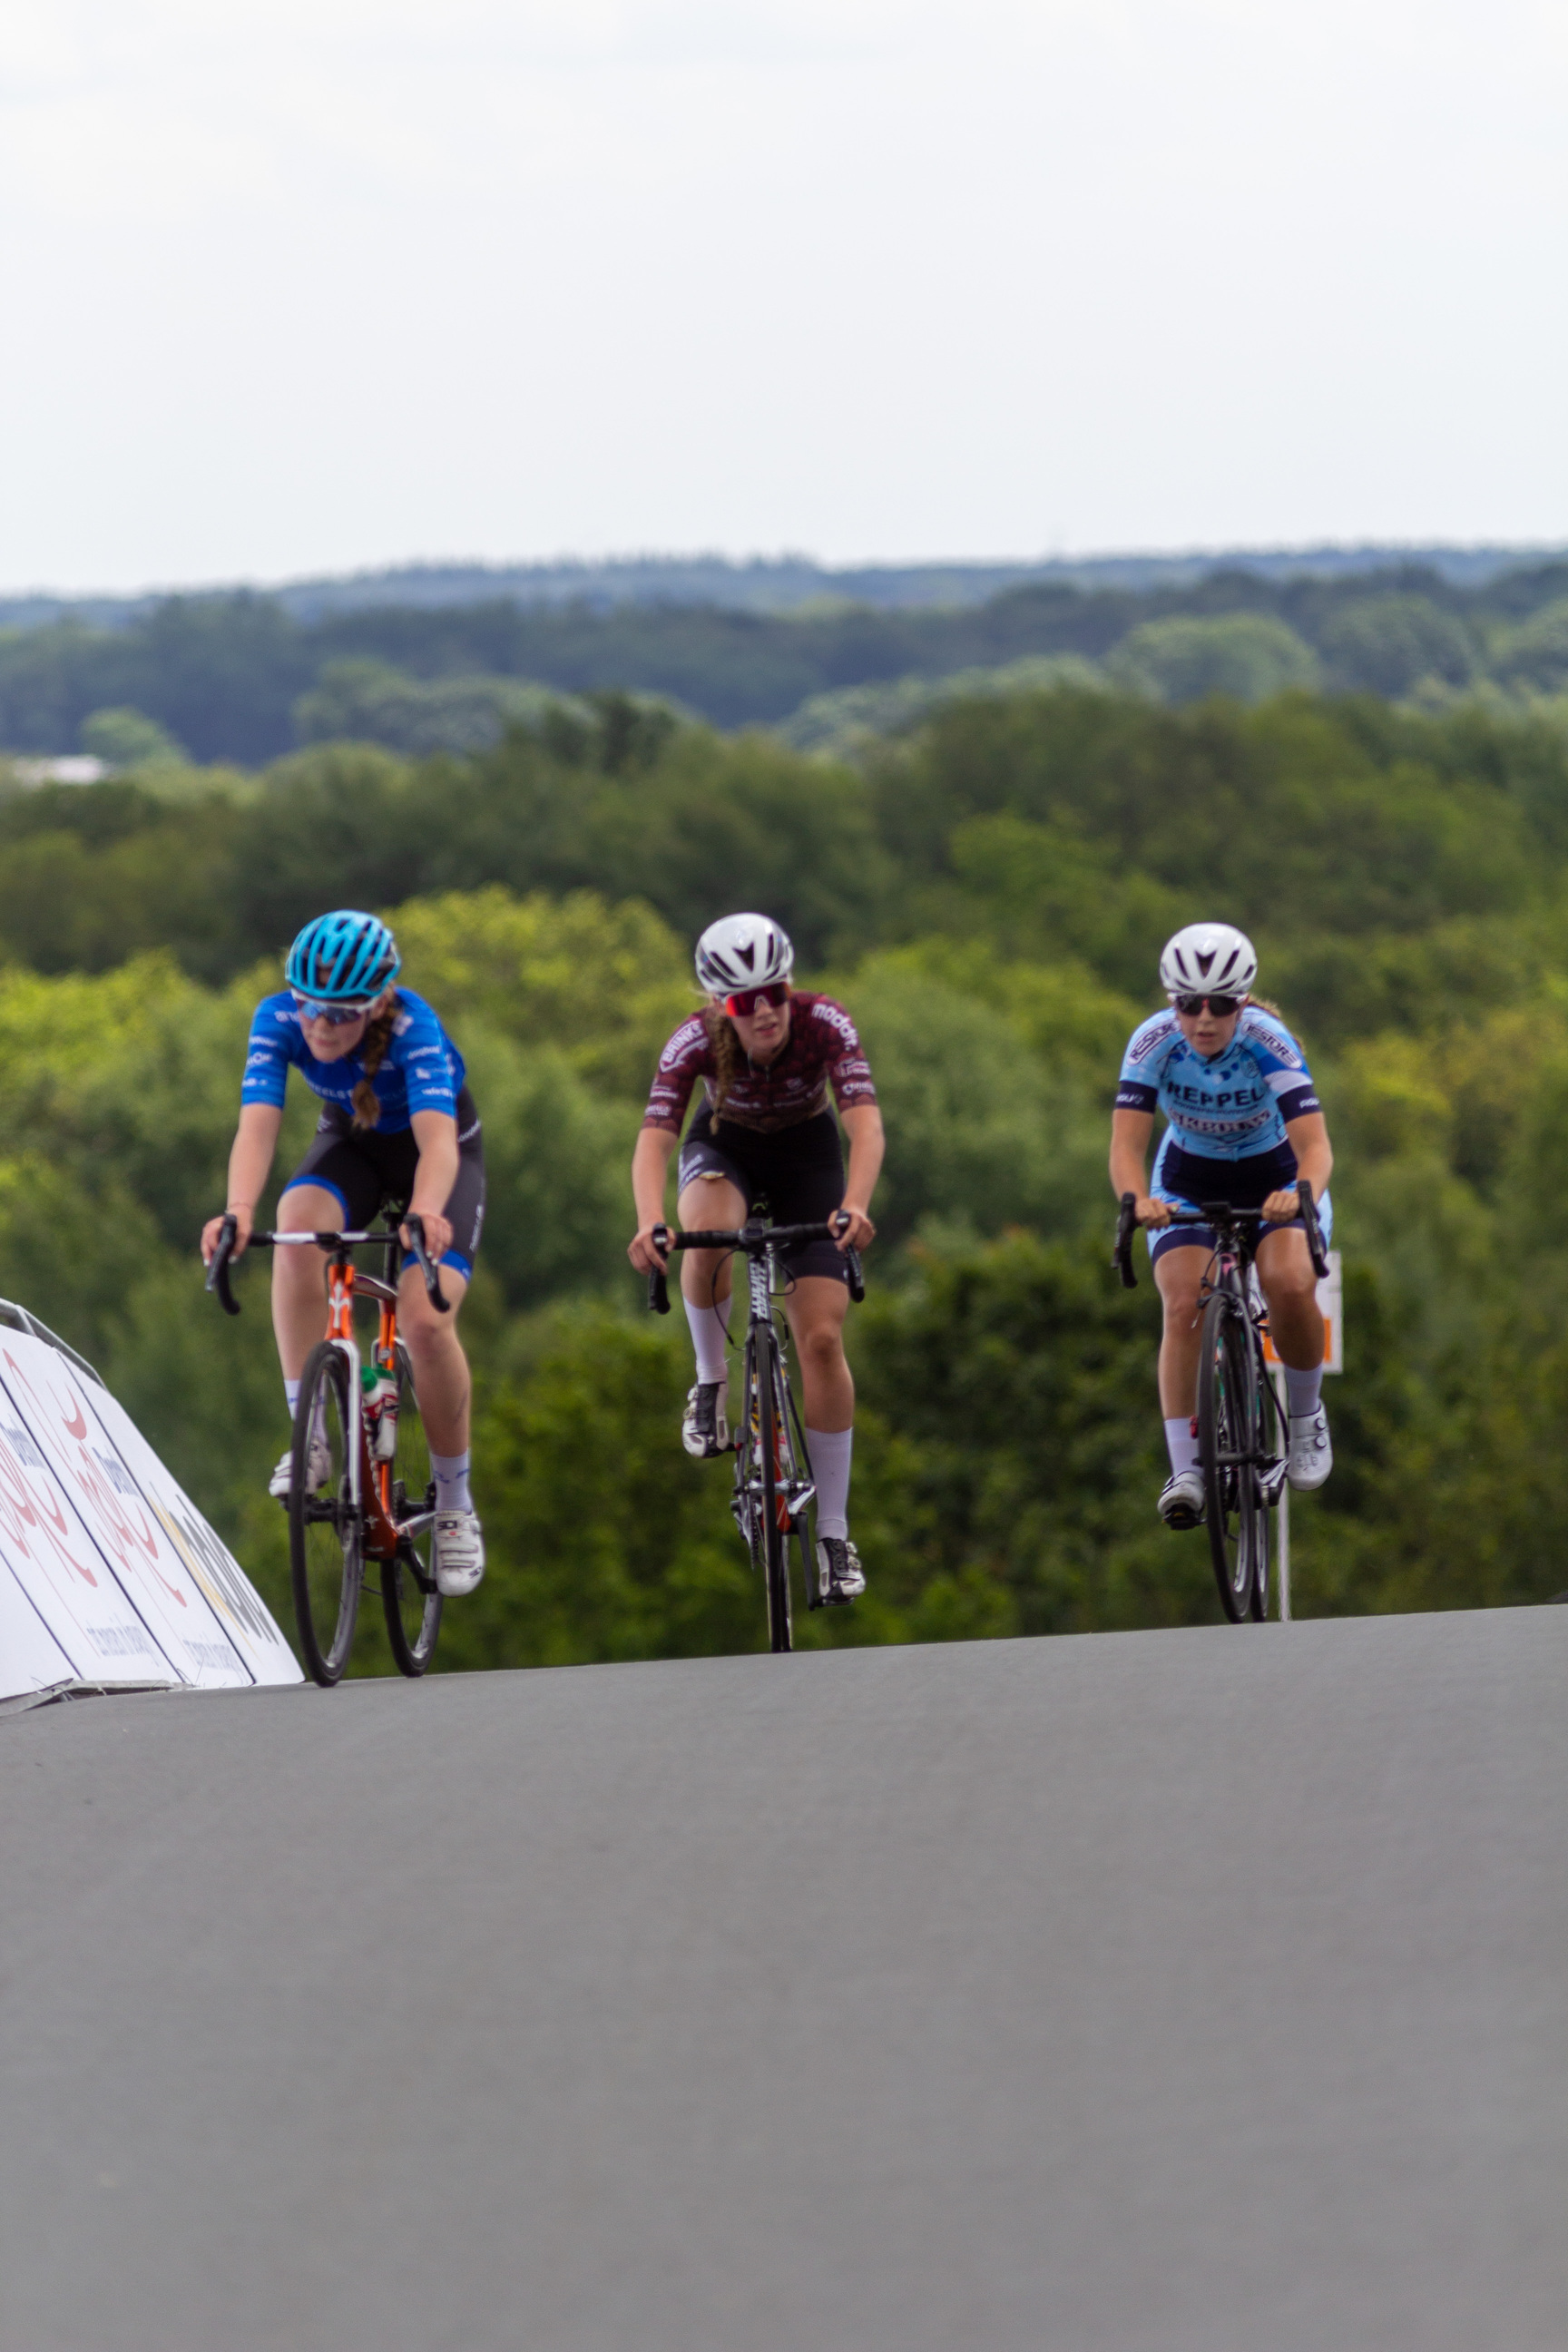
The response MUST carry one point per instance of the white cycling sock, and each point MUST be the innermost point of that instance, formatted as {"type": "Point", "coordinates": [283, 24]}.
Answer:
{"type": "Point", "coordinates": [710, 1330]}
{"type": "Point", "coordinates": [291, 1390]}
{"type": "Point", "coordinates": [1182, 1443]}
{"type": "Point", "coordinates": [1303, 1390]}
{"type": "Point", "coordinates": [451, 1482]}
{"type": "Point", "coordinates": [830, 1449]}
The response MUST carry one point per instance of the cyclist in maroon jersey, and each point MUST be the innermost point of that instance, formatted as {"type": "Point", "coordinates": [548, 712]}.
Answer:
{"type": "Point", "coordinates": [769, 1058]}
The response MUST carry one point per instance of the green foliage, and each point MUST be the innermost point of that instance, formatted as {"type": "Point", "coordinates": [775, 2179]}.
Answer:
{"type": "Point", "coordinates": [1536, 653]}
{"type": "Point", "coordinates": [236, 677]}
{"type": "Point", "coordinates": [1245, 656]}
{"type": "Point", "coordinates": [370, 702]}
{"type": "Point", "coordinates": [129, 739]}
{"type": "Point", "coordinates": [988, 894]}
{"type": "Point", "coordinates": [1388, 644]}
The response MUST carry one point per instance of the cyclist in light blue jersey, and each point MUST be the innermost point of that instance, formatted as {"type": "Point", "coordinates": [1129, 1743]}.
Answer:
{"type": "Point", "coordinates": [399, 1130]}
{"type": "Point", "coordinates": [1243, 1125]}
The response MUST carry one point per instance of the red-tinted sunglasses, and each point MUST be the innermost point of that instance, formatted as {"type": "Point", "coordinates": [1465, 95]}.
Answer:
{"type": "Point", "coordinates": [745, 1001]}
{"type": "Point", "coordinates": [1222, 1007]}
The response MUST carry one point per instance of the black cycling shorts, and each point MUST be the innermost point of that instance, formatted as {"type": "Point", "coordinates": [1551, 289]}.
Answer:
{"type": "Point", "coordinates": [1189, 1181]}
{"type": "Point", "coordinates": [369, 1171]}
{"type": "Point", "coordinates": [799, 1171]}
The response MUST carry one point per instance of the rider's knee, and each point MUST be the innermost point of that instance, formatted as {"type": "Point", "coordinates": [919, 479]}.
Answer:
{"type": "Point", "coordinates": [1179, 1291]}
{"type": "Point", "coordinates": [1291, 1285]}
{"type": "Point", "coordinates": [423, 1330]}
{"type": "Point", "coordinates": [822, 1346]}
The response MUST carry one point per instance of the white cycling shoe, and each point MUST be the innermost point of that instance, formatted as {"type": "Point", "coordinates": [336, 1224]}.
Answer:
{"type": "Point", "coordinates": [281, 1482]}
{"type": "Point", "coordinates": [1181, 1499]}
{"type": "Point", "coordinates": [840, 1577]}
{"type": "Point", "coordinates": [460, 1553]}
{"type": "Point", "coordinates": [705, 1426]}
{"type": "Point", "coordinates": [1312, 1450]}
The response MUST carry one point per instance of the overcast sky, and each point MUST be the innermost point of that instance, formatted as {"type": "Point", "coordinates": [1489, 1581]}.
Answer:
{"type": "Point", "coordinates": [302, 285]}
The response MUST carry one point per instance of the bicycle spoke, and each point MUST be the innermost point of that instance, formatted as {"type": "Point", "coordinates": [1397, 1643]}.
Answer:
{"type": "Point", "coordinates": [410, 1603]}
{"type": "Point", "coordinates": [325, 1531]}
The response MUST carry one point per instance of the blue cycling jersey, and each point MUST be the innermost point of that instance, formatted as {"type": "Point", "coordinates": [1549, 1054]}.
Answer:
{"type": "Point", "coordinates": [423, 1069]}
{"type": "Point", "coordinates": [1229, 1105]}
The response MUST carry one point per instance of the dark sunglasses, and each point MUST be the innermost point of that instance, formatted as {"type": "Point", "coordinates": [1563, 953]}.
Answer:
{"type": "Point", "coordinates": [337, 1017]}
{"type": "Point", "coordinates": [1222, 1007]}
{"type": "Point", "coordinates": [745, 1001]}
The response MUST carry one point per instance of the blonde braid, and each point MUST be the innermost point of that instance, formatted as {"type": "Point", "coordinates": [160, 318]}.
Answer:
{"type": "Point", "coordinates": [726, 1044]}
{"type": "Point", "coordinates": [373, 1053]}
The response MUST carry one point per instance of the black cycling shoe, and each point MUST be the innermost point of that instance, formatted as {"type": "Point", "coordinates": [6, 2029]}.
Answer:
{"type": "Point", "coordinates": [840, 1577]}
{"type": "Point", "coordinates": [705, 1427]}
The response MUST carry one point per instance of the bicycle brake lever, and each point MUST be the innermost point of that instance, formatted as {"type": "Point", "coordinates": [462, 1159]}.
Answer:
{"type": "Point", "coordinates": [1121, 1255]}
{"type": "Point", "coordinates": [217, 1270]}
{"type": "Point", "coordinates": [657, 1287]}
{"type": "Point", "coordinates": [415, 1227]}
{"type": "Point", "coordinates": [1319, 1255]}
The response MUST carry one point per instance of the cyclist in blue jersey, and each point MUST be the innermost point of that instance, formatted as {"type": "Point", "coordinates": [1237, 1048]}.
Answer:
{"type": "Point", "coordinates": [1242, 1125]}
{"type": "Point", "coordinates": [398, 1128]}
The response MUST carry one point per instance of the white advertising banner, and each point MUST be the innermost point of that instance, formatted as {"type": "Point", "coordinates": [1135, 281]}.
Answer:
{"type": "Point", "coordinates": [30, 1658]}
{"type": "Point", "coordinates": [109, 1565]}
{"type": "Point", "coordinates": [211, 1566]}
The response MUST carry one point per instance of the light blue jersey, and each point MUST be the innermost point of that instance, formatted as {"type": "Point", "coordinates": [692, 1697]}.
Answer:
{"type": "Point", "coordinates": [1229, 1105]}
{"type": "Point", "coordinates": [423, 1069]}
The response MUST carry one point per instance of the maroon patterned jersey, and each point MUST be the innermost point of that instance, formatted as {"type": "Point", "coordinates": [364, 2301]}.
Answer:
{"type": "Point", "coordinates": [823, 1049]}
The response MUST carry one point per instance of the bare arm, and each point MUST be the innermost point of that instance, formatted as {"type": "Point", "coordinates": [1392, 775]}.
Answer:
{"type": "Point", "coordinates": [650, 1171]}
{"type": "Point", "coordinates": [1309, 1137]}
{"type": "Point", "coordinates": [1129, 1133]}
{"type": "Point", "coordinates": [250, 1165]}
{"type": "Point", "coordinates": [863, 1125]}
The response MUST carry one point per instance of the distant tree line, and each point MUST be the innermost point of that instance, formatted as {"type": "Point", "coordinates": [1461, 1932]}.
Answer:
{"type": "Point", "coordinates": [240, 679]}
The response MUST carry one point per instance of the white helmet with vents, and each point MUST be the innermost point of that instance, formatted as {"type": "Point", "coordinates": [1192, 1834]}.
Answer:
{"type": "Point", "coordinates": [1208, 959]}
{"type": "Point", "coordinates": [743, 951]}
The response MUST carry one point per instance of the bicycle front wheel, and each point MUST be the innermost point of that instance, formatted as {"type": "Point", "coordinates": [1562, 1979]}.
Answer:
{"type": "Point", "coordinates": [326, 1532]}
{"type": "Point", "coordinates": [774, 1529]}
{"type": "Point", "coordinates": [408, 1594]}
{"type": "Point", "coordinates": [1229, 1450]}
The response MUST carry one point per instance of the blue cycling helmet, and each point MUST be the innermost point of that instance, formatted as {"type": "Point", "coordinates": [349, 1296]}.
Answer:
{"type": "Point", "coordinates": [345, 957]}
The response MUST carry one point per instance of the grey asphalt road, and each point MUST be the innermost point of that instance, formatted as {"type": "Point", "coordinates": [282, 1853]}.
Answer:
{"type": "Point", "coordinates": [1166, 1993]}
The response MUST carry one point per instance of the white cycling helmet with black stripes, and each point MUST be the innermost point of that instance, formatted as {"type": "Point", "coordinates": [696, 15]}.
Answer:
{"type": "Point", "coordinates": [743, 951]}
{"type": "Point", "coordinates": [1207, 958]}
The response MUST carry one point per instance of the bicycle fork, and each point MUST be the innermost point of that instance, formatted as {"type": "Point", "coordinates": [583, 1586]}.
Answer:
{"type": "Point", "coordinates": [792, 1494]}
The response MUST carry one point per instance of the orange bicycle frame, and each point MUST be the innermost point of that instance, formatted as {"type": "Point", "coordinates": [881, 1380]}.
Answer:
{"type": "Point", "coordinates": [344, 1287]}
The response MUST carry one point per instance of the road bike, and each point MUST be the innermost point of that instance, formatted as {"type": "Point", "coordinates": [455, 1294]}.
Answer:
{"type": "Point", "coordinates": [773, 1491]}
{"type": "Point", "coordinates": [374, 1500]}
{"type": "Point", "coordinates": [1244, 1438]}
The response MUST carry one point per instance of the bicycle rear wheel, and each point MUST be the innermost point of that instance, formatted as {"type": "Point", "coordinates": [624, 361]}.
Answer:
{"type": "Point", "coordinates": [326, 1533]}
{"type": "Point", "coordinates": [1229, 1448]}
{"type": "Point", "coordinates": [408, 1594]}
{"type": "Point", "coordinates": [774, 1537]}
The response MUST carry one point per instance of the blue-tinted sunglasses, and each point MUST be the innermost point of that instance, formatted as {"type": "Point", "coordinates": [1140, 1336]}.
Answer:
{"type": "Point", "coordinates": [337, 1017]}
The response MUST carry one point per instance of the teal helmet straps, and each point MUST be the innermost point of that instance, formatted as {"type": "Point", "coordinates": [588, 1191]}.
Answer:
{"type": "Point", "coordinates": [346, 958]}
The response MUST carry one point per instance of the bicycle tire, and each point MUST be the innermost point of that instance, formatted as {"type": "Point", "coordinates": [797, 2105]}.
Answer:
{"type": "Point", "coordinates": [774, 1538]}
{"type": "Point", "coordinates": [326, 1533]}
{"type": "Point", "coordinates": [1263, 1398]}
{"type": "Point", "coordinates": [1236, 1514]}
{"type": "Point", "coordinates": [803, 1524]}
{"type": "Point", "coordinates": [409, 1600]}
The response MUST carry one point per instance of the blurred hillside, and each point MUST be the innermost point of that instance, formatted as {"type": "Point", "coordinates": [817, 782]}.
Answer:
{"type": "Point", "coordinates": [422, 662]}
{"type": "Point", "coordinates": [987, 889]}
